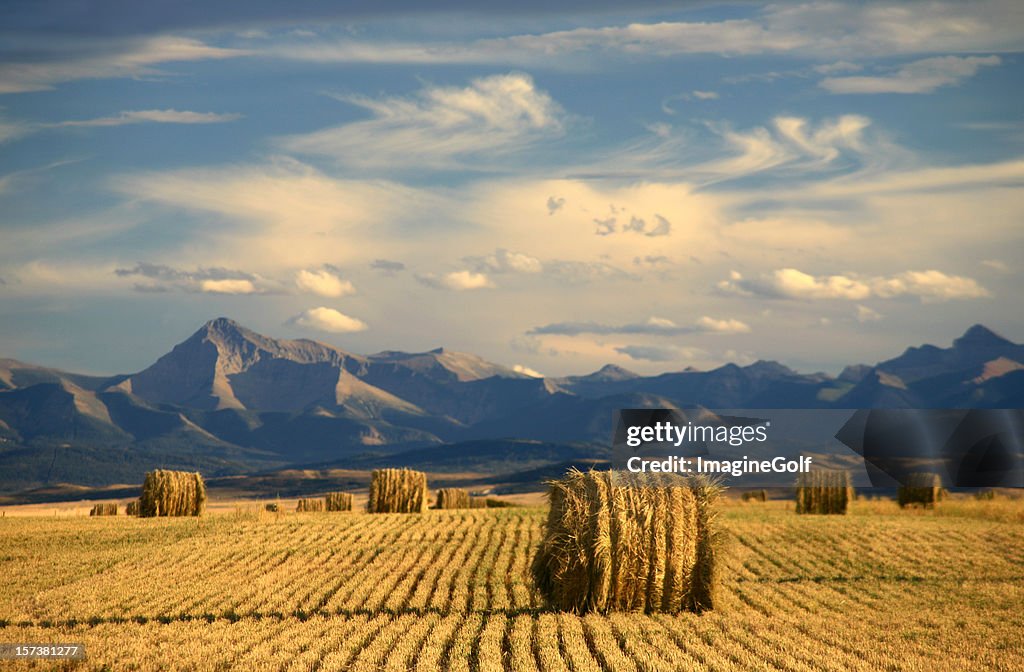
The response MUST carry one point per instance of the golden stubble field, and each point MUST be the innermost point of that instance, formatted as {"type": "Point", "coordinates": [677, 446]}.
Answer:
{"type": "Point", "coordinates": [878, 589]}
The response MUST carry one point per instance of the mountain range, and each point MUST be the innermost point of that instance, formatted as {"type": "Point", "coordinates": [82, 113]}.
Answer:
{"type": "Point", "coordinates": [228, 400]}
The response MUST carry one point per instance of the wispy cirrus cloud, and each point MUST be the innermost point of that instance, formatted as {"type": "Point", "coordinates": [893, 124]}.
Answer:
{"type": "Point", "coordinates": [12, 130]}
{"type": "Point", "coordinates": [923, 76]}
{"type": "Point", "coordinates": [149, 116]}
{"type": "Point", "coordinates": [71, 61]}
{"type": "Point", "coordinates": [815, 29]}
{"type": "Point", "coordinates": [439, 127]}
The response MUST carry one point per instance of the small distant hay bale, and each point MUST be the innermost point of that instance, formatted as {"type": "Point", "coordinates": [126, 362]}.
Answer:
{"type": "Point", "coordinates": [309, 505]}
{"type": "Point", "coordinates": [272, 507]}
{"type": "Point", "coordinates": [109, 509]}
{"type": "Point", "coordinates": [824, 492]}
{"type": "Point", "coordinates": [755, 496]}
{"type": "Point", "coordinates": [985, 495]}
{"type": "Point", "coordinates": [921, 489]}
{"type": "Point", "coordinates": [397, 491]}
{"type": "Point", "coordinates": [454, 498]}
{"type": "Point", "coordinates": [490, 503]}
{"type": "Point", "coordinates": [172, 493]}
{"type": "Point", "coordinates": [132, 508]}
{"type": "Point", "coordinates": [616, 541]}
{"type": "Point", "coordinates": [338, 501]}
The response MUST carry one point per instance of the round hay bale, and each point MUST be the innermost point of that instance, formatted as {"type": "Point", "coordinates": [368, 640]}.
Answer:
{"type": "Point", "coordinates": [338, 501]}
{"type": "Point", "coordinates": [921, 489]}
{"type": "Point", "coordinates": [172, 493]}
{"type": "Point", "coordinates": [616, 541]}
{"type": "Point", "coordinates": [453, 498]}
{"type": "Point", "coordinates": [397, 491]}
{"type": "Point", "coordinates": [824, 492]}
{"type": "Point", "coordinates": [309, 505]}
{"type": "Point", "coordinates": [105, 509]}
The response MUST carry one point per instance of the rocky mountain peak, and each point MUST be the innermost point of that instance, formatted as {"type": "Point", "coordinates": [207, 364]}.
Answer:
{"type": "Point", "coordinates": [980, 336]}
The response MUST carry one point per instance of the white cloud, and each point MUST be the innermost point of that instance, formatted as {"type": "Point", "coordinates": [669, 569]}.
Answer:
{"type": "Point", "coordinates": [792, 143]}
{"type": "Point", "coordinates": [817, 29]}
{"type": "Point", "coordinates": [323, 283]}
{"type": "Point", "coordinates": [837, 67]}
{"type": "Point", "coordinates": [152, 116]}
{"type": "Point", "coordinates": [797, 284]}
{"type": "Point", "coordinates": [229, 286]}
{"type": "Point", "coordinates": [216, 280]}
{"type": "Point", "coordinates": [930, 286]}
{"type": "Point", "coordinates": [527, 371]}
{"type": "Point", "coordinates": [456, 280]}
{"type": "Point", "coordinates": [996, 265]}
{"type": "Point", "coordinates": [285, 214]}
{"type": "Point", "coordinates": [705, 95]}
{"type": "Point", "coordinates": [728, 326]}
{"type": "Point", "coordinates": [506, 261]}
{"type": "Point", "coordinates": [923, 76]}
{"type": "Point", "coordinates": [791, 283]}
{"type": "Point", "coordinates": [128, 60]}
{"type": "Point", "coordinates": [865, 314]}
{"type": "Point", "coordinates": [328, 320]}
{"type": "Point", "coordinates": [440, 126]}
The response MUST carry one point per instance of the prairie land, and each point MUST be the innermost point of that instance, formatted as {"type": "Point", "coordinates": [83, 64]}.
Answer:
{"type": "Point", "coordinates": [878, 589]}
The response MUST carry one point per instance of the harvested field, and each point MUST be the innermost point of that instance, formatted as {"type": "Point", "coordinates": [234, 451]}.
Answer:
{"type": "Point", "coordinates": [878, 589]}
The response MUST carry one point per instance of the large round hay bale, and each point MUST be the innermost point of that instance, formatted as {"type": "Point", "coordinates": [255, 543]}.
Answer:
{"type": "Point", "coordinates": [616, 541]}
{"type": "Point", "coordinates": [921, 489]}
{"type": "Point", "coordinates": [309, 505]}
{"type": "Point", "coordinates": [824, 492]}
{"type": "Point", "coordinates": [105, 509]}
{"type": "Point", "coordinates": [397, 491]}
{"type": "Point", "coordinates": [453, 498]}
{"type": "Point", "coordinates": [172, 493]}
{"type": "Point", "coordinates": [338, 501]}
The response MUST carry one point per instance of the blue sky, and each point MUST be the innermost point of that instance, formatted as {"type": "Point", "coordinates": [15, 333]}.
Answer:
{"type": "Point", "coordinates": [657, 187]}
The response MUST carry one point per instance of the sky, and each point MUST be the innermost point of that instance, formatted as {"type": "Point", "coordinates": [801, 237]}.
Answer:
{"type": "Point", "coordinates": [653, 185]}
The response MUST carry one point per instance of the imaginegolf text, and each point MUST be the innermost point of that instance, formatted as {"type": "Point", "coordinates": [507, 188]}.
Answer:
{"type": "Point", "coordinates": [700, 465]}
